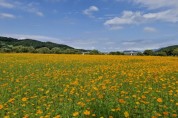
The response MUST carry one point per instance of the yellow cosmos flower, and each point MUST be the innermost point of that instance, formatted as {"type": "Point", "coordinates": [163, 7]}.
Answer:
{"type": "Point", "coordinates": [86, 112]}
{"type": "Point", "coordinates": [165, 113]}
{"type": "Point", "coordinates": [11, 100]}
{"type": "Point", "coordinates": [126, 114]}
{"type": "Point", "coordinates": [159, 100]}
{"type": "Point", "coordinates": [26, 116]}
{"type": "Point", "coordinates": [39, 112]}
{"type": "Point", "coordinates": [143, 96]}
{"type": "Point", "coordinates": [6, 117]}
{"type": "Point", "coordinates": [121, 101]}
{"type": "Point", "coordinates": [24, 99]}
{"type": "Point", "coordinates": [174, 115]}
{"type": "Point", "coordinates": [75, 114]}
{"type": "Point", "coordinates": [58, 116]}
{"type": "Point", "coordinates": [1, 106]}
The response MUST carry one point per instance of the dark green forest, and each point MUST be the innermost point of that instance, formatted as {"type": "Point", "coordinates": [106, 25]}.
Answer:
{"type": "Point", "coordinates": [8, 44]}
{"type": "Point", "coordinates": [170, 50]}
{"type": "Point", "coordinates": [166, 51]}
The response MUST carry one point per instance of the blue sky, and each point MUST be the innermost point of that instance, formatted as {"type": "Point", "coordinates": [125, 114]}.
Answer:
{"type": "Point", "coordinates": [106, 25]}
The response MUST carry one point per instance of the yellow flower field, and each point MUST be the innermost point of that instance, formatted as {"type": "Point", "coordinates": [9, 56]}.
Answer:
{"type": "Point", "coordinates": [65, 86]}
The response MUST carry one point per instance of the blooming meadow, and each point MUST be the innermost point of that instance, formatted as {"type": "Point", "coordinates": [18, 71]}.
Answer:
{"type": "Point", "coordinates": [84, 86]}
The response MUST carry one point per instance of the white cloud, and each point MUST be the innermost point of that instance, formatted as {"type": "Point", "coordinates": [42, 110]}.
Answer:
{"type": "Point", "coordinates": [167, 11]}
{"type": "Point", "coordinates": [90, 10]}
{"type": "Point", "coordinates": [35, 11]}
{"type": "Point", "coordinates": [81, 43]}
{"type": "Point", "coordinates": [5, 4]}
{"type": "Point", "coordinates": [39, 13]}
{"type": "Point", "coordinates": [155, 4]}
{"type": "Point", "coordinates": [150, 29]}
{"type": "Point", "coordinates": [115, 27]}
{"type": "Point", "coordinates": [128, 43]}
{"type": "Point", "coordinates": [31, 7]}
{"type": "Point", "coordinates": [168, 16]}
{"type": "Point", "coordinates": [36, 37]}
{"type": "Point", "coordinates": [129, 18]}
{"type": "Point", "coordinates": [147, 43]}
{"type": "Point", "coordinates": [6, 16]}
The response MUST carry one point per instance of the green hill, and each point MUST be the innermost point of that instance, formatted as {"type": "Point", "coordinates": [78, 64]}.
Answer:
{"type": "Point", "coordinates": [8, 44]}
{"type": "Point", "coordinates": [169, 50]}
{"type": "Point", "coordinates": [30, 42]}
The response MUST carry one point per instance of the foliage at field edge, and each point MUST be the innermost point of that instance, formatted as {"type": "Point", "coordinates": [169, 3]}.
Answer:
{"type": "Point", "coordinates": [47, 86]}
{"type": "Point", "coordinates": [12, 45]}
{"type": "Point", "coordinates": [9, 45]}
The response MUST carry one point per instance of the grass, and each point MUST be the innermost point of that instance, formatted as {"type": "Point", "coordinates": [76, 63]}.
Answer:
{"type": "Point", "coordinates": [36, 85]}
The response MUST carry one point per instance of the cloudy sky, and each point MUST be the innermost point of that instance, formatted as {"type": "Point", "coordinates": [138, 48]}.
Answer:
{"type": "Point", "coordinates": [106, 25]}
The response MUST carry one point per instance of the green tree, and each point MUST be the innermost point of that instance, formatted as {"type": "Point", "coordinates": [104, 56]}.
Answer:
{"type": "Point", "coordinates": [23, 49]}
{"type": "Point", "coordinates": [161, 54]}
{"type": "Point", "coordinates": [148, 52]}
{"type": "Point", "coordinates": [56, 50]}
{"type": "Point", "coordinates": [5, 50]}
{"type": "Point", "coordinates": [2, 44]}
{"type": "Point", "coordinates": [116, 53]}
{"type": "Point", "coordinates": [31, 49]}
{"type": "Point", "coordinates": [94, 52]}
{"type": "Point", "coordinates": [175, 52]}
{"type": "Point", "coordinates": [140, 54]}
{"type": "Point", "coordinates": [43, 50]}
{"type": "Point", "coordinates": [19, 49]}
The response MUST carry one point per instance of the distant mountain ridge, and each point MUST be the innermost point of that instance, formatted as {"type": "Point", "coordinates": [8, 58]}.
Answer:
{"type": "Point", "coordinates": [167, 48]}
{"type": "Point", "coordinates": [31, 42]}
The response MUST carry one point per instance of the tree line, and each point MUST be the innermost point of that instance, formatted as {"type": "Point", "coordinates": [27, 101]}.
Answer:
{"type": "Point", "coordinates": [11, 45]}
{"type": "Point", "coordinates": [168, 52]}
{"type": "Point", "coordinates": [56, 50]}
{"type": "Point", "coordinates": [43, 50]}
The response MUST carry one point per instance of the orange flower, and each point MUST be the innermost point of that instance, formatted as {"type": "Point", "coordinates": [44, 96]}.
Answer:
{"type": "Point", "coordinates": [58, 116]}
{"type": "Point", "coordinates": [75, 114]}
{"type": "Point", "coordinates": [11, 100]}
{"type": "Point", "coordinates": [1, 106]}
{"type": "Point", "coordinates": [143, 96]}
{"type": "Point", "coordinates": [26, 116]}
{"type": "Point", "coordinates": [174, 115]}
{"type": "Point", "coordinates": [118, 109]}
{"type": "Point", "coordinates": [39, 112]}
{"type": "Point", "coordinates": [24, 99]}
{"type": "Point", "coordinates": [165, 113]}
{"type": "Point", "coordinates": [159, 100]}
{"type": "Point", "coordinates": [86, 112]}
{"type": "Point", "coordinates": [121, 100]}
